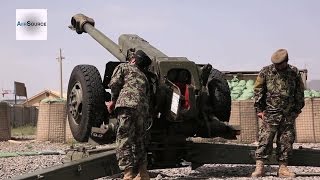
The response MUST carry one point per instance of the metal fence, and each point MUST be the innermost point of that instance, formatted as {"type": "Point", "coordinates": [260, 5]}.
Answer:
{"type": "Point", "coordinates": [23, 115]}
{"type": "Point", "coordinates": [18, 115]}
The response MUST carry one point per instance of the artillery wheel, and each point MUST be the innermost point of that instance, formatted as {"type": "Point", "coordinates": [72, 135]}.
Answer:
{"type": "Point", "coordinates": [219, 93]}
{"type": "Point", "coordinates": [85, 101]}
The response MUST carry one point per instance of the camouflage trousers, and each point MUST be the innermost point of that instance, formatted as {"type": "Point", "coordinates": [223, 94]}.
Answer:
{"type": "Point", "coordinates": [285, 137]}
{"type": "Point", "coordinates": [130, 138]}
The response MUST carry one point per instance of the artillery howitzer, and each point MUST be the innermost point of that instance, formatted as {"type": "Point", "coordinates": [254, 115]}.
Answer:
{"type": "Point", "coordinates": [190, 100]}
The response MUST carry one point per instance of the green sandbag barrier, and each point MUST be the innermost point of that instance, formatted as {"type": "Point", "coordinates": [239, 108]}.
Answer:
{"type": "Point", "coordinates": [311, 94]}
{"type": "Point", "coordinates": [307, 94]}
{"type": "Point", "coordinates": [241, 88]}
{"type": "Point", "coordinates": [247, 91]}
{"type": "Point", "coordinates": [246, 96]}
{"type": "Point", "coordinates": [250, 87]}
{"type": "Point", "coordinates": [234, 82]}
{"type": "Point", "coordinates": [250, 83]}
{"type": "Point", "coordinates": [316, 94]}
{"type": "Point", "coordinates": [244, 90]}
{"type": "Point", "coordinates": [234, 96]}
{"type": "Point", "coordinates": [242, 83]}
{"type": "Point", "coordinates": [51, 100]}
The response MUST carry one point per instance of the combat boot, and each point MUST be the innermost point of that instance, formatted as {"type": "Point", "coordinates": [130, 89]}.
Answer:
{"type": "Point", "coordinates": [259, 172]}
{"type": "Point", "coordinates": [128, 174]}
{"type": "Point", "coordinates": [284, 171]}
{"type": "Point", "coordinates": [143, 173]}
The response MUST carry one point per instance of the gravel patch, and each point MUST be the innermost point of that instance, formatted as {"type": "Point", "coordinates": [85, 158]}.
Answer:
{"type": "Point", "coordinates": [14, 166]}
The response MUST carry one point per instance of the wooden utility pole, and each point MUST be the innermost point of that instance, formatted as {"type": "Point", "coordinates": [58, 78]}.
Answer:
{"type": "Point", "coordinates": [60, 58]}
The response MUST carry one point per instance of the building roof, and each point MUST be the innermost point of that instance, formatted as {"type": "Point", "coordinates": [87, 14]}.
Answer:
{"type": "Point", "coordinates": [45, 92]}
{"type": "Point", "coordinates": [58, 93]}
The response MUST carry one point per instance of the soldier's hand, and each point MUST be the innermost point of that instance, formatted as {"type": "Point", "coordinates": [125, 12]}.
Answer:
{"type": "Point", "coordinates": [110, 106]}
{"type": "Point", "coordinates": [261, 115]}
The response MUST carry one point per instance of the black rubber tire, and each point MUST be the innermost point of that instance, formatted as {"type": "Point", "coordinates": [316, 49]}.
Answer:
{"type": "Point", "coordinates": [219, 94]}
{"type": "Point", "coordinates": [93, 107]}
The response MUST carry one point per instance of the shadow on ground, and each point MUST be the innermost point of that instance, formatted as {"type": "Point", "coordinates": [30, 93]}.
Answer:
{"type": "Point", "coordinates": [205, 172]}
{"type": "Point", "coordinates": [212, 171]}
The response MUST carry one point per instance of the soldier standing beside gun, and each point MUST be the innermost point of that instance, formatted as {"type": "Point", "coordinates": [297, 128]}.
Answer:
{"type": "Point", "coordinates": [130, 99]}
{"type": "Point", "coordinates": [279, 98]}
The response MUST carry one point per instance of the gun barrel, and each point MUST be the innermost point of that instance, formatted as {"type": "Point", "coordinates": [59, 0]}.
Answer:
{"type": "Point", "coordinates": [82, 23]}
{"type": "Point", "coordinates": [106, 42]}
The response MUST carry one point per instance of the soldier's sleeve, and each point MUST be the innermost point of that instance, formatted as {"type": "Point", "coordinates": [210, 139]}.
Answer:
{"type": "Point", "coordinates": [299, 95]}
{"type": "Point", "coordinates": [116, 82]}
{"type": "Point", "coordinates": [260, 92]}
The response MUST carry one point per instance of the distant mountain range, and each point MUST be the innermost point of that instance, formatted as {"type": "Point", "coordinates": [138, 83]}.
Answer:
{"type": "Point", "coordinates": [314, 84]}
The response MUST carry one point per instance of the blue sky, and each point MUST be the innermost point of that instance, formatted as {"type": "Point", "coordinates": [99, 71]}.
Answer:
{"type": "Point", "coordinates": [231, 35]}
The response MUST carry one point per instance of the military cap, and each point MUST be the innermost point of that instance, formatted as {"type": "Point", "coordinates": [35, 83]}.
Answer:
{"type": "Point", "coordinates": [141, 57]}
{"type": "Point", "coordinates": [279, 56]}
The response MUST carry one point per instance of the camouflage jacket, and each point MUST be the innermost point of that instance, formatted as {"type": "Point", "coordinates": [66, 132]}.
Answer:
{"type": "Point", "coordinates": [279, 92]}
{"type": "Point", "coordinates": [129, 87]}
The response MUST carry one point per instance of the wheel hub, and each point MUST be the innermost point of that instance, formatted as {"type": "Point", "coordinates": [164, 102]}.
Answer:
{"type": "Point", "coordinates": [75, 102]}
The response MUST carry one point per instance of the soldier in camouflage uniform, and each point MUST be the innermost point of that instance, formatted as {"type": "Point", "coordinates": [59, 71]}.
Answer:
{"type": "Point", "coordinates": [279, 98]}
{"type": "Point", "coordinates": [130, 99]}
